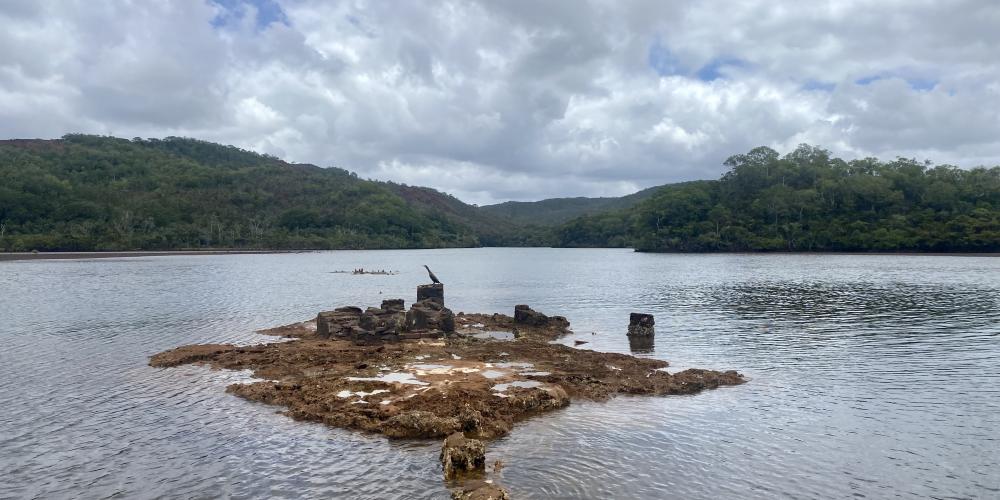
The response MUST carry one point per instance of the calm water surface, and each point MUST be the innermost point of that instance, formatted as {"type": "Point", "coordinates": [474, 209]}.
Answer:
{"type": "Point", "coordinates": [870, 376]}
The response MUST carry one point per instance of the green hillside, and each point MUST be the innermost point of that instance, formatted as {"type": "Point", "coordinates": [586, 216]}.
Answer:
{"type": "Point", "coordinates": [491, 229]}
{"type": "Point", "coordinates": [101, 193]}
{"type": "Point", "coordinates": [809, 201]}
{"type": "Point", "coordinates": [554, 211]}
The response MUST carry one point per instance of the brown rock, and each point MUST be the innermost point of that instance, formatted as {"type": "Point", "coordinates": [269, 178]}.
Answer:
{"type": "Point", "coordinates": [189, 354]}
{"type": "Point", "coordinates": [525, 315]}
{"type": "Point", "coordinates": [461, 455]}
{"type": "Point", "coordinates": [314, 372]}
{"type": "Point", "coordinates": [480, 490]}
{"type": "Point", "coordinates": [420, 424]}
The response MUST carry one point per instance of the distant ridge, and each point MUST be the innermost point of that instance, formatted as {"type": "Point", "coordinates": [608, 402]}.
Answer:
{"type": "Point", "coordinates": [555, 211]}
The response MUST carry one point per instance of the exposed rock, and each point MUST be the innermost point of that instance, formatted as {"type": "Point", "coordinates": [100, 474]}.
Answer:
{"type": "Point", "coordinates": [420, 389]}
{"type": "Point", "coordinates": [429, 315]}
{"type": "Point", "coordinates": [338, 322]}
{"type": "Point", "coordinates": [188, 354]}
{"type": "Point", "coordinates": [480, 490]}
{"type": "Point", "coordinates": [393, 305]}
{"type": "Point", "coordinates": [294, 330]}
{"type": "Point", "coordinates": [471, 323]}
{"type": "Point", "coordinates": [420, 424]}
{"type": "Point", "coordinates": [433, 292]}
{"type": "Point", "coordinates": [640, 325]}
{"type": "Point", "coordinates": [524, 315]}
{"type": "Point", "coordinates": [461, 456]}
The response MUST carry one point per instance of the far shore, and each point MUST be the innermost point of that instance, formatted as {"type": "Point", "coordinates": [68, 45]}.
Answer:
{"type": "Point", "coordinates": [136, 253]}
{"type": "Point", "coordinates": [9, 256]}
{"type": "Point", "coordinates": [904, 254]}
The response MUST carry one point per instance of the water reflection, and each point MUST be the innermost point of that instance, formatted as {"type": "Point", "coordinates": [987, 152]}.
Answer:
{"type": "Point", "coordinates": [640, 344]}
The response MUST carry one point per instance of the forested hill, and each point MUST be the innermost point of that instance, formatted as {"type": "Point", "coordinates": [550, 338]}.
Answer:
{"type": "Point", "coordinates": [555, 211]}
{"type": "Point", "coordinates": [809, 201]}
{"type": "Point", "coordinates": [101, 193]}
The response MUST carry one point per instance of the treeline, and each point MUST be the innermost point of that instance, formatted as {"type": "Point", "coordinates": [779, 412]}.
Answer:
{"type": "Point", "coordinates": [86, 192]}
{"type": "Point", "coordinates": [808, 200]}
{"type": "Point", "coordinates": [102, 193]}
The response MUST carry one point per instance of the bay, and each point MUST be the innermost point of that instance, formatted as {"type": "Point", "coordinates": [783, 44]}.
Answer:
{"type": "Point", "coordinates": [870, 375]}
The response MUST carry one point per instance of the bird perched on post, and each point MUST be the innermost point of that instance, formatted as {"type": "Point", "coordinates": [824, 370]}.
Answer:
{"type": "Point", "coordinates": [431, 273]}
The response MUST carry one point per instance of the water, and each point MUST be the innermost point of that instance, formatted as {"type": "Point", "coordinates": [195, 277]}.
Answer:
{"type": "Point", "coordinates": [870, 376]}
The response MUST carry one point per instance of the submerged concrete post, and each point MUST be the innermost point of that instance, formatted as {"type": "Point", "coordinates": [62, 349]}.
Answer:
{"type": "Point", "coordinates": [461, 456]}
{"type": "Point", "coordinates": [640, 325]}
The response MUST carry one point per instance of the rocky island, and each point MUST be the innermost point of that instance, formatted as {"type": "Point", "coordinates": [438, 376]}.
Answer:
{"type": "Point", "coordinates": [426, 372]}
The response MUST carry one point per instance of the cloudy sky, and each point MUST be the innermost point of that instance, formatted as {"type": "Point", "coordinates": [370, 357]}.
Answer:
{"type": "Point", "coordinates": [499, 100]}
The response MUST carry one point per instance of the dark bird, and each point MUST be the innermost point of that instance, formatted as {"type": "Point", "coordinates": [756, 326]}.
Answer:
{"type": "Point", "coordinates": [431, 273]}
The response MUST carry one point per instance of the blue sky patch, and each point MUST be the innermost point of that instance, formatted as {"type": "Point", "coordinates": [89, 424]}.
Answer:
{"type": "Point", "coordinates": [922, 84]}
{"type": "Point", "coordinates": [713, 70]}
{"type": "Point", "coordinates": [915, 83]}
{"type": "Point", "coordinates": [268, 12]}
{"type": "Point", "coordinates": [662, 60]}
{"type": "Point", "coordinates": [819, 85]}
{"type": "Point", "coordinates": [868, 79]}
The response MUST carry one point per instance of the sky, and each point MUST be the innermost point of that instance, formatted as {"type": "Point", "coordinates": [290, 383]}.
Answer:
{"type": "Point", "coordinates": [516, 99]}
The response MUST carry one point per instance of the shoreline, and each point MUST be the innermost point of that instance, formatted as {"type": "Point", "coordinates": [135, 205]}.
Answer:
{"type": "Point", "coordinates": [17, 256]}
{"type": "Point", "coordinates": [12, 256]}
{"type": "Point", "coordinates": [775, 252]}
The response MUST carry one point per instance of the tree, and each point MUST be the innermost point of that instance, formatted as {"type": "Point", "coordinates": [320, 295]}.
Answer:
{"type": "Point", "coordinates": [811, 200]}
{"type": "Point", "coordinates": [124, 225]}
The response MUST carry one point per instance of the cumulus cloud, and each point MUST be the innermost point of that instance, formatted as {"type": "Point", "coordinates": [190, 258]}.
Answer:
{"type": "Point", "coordinates": [492, 101]}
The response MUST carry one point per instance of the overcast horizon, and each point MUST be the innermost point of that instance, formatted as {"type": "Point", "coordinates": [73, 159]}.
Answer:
{"type": "Point", "coordinates": [497, 101]}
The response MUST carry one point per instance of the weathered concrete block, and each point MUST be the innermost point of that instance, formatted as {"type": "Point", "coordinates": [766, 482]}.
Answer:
{"type": "Point", "coordinates": [641, 325]}
{"type": "Point", "coordinates": [429, 315]}
{"type": "Point", "coordinates": [379, 321]}
{"type": "Point", "coordinates": [393, 305]}
{"type": "Point", "coordinates": [323, 324]}
{"type": "Point", "coordinates": [368, 319]}
{"type": "Point", "coordinates": [461, 455]}
{"type": "Point", "coordinates": [338, 322]}
{"type": "Point", "coordinates": [433, 292]}
{"type": "Point", "coordinates": [528, 316]}
{"type": "Point", "coordinates": [524, 315]}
